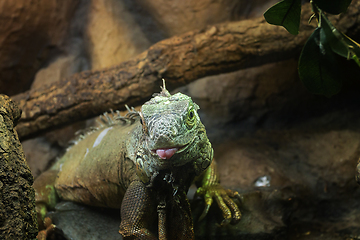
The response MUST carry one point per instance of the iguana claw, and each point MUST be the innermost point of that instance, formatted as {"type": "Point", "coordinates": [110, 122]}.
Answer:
{"type": "Point", "coordinates": [228, 207]}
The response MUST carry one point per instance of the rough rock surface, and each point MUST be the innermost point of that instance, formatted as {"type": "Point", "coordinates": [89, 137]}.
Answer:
{"type": "Point", "coordinates": [176, 17]}
{"type": "Point", "coordinates": [17, 197]}
{"type": "Point", "coordinates": [30, 32]}
{"type": "Point", "coordinates": [121, 39]}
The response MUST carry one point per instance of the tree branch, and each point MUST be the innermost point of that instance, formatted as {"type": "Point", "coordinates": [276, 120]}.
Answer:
{"type": "Point", "coordinates": [181, 59]}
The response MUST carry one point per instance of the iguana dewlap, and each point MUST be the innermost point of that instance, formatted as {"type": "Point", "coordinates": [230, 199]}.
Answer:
{"type": "Point", "coordinates": [142, 163]}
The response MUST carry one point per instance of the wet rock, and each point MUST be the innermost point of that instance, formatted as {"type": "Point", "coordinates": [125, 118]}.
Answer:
{"type": "Point", "coordinates": [79, 222]}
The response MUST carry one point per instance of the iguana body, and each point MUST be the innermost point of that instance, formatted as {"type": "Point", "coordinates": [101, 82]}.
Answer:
{"type": "Point", "coordinates": [144, 164]}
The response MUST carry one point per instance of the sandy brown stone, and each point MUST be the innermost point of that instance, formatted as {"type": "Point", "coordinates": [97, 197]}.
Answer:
{"type": "Point", "coordinates": [29, 33]}
{"type": "Point", "coordinates": [177, 17]}
{"type": "Point", "coordinates": [121, 39]}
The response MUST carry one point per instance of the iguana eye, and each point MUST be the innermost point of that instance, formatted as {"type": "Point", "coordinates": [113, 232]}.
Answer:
{"type": "Point", "coordinates": [191, 115]}
{"type": "Point", "coordinates": [190, 120]}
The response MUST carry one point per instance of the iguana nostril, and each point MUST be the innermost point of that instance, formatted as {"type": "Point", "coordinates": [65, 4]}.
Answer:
{"type": "Point", "coordinates": [174, 131]}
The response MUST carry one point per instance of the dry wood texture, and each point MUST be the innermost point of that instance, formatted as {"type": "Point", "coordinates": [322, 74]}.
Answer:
{"type": "Point", "coordinates": [181, 59]}
{"type": "Point", "coordinates": [17, 197]}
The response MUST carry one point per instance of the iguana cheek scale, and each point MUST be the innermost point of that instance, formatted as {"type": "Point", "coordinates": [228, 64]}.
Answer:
{"type": "Point", "coordinates": [144, 164]}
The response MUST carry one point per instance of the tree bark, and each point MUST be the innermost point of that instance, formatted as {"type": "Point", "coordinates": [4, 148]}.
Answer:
{"type": "Point", "coordinates": [181, 59]}
{"type": "Point", "coordinates": [18, 218]}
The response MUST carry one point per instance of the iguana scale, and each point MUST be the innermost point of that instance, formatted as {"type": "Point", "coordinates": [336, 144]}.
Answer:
{"type": "Point", "coordinates": [144, 164]}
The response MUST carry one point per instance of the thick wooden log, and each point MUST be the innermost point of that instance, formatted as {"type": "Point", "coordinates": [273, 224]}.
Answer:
{"type": "Point", "coordinates": [181, 59]}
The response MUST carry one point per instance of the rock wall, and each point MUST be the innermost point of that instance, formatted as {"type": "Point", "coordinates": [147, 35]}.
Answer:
{"type": "Point", "coordinates": [30, 33]}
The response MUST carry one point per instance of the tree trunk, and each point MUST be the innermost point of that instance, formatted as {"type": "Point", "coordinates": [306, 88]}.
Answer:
{"type": "Point", "coordinates": [17, 197]}
{"type": "Point", "coordinates": [181, 59]}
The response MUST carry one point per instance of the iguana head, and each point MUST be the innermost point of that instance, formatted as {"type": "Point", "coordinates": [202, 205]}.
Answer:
{"type": "Point", "coordinates": [173, 135]}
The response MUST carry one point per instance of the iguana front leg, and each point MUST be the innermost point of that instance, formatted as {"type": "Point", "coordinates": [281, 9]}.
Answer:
{"type": "Point", "coordinates": [210, 189]}
{"type": "Point", "coordinates": [137, 213]}
{"type": "Point", "coordinates": [175, 219]}
{"type": "Point", "coordinates": [144, 212]}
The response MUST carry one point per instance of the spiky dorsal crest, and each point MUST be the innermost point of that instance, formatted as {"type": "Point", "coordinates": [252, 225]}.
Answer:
{"type": "Point", "coordinates": [107, 120]}
{"type": "Point", "coordinates": [164, 92]}
{"type": "Point", "coordinates": [114, 118]}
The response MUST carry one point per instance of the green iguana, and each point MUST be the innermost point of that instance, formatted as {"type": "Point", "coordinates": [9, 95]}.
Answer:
{"type": "Point", "coordinates": [144, 164]}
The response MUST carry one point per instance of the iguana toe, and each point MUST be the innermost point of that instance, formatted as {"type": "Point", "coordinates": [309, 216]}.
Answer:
{"type": "Point", "coordinates": [228, 207]}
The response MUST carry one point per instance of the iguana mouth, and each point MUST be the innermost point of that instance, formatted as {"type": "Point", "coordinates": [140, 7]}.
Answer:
{"type": "Point", "coordinates": [167, 153]}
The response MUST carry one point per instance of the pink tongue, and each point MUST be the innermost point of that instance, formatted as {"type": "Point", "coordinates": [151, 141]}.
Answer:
{"type": "Point", "coordinates": [166, 153]}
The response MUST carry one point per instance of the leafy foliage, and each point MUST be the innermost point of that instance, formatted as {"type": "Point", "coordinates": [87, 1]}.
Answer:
{"type": "Point", "coordinates": [285, 13]}
{"type": "Point", "coordinates": [319, 60]}
{"type": "Point", "coordinates": [339, 42]}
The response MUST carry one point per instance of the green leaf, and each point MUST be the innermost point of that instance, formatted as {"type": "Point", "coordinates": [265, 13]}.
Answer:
{"type": "Point", "coordinates": [333, 6]}
{"type": "Point", "coordinates": [318, 66]}
{"type": "Point", "coordinates": [285, 13]}
{"type": "Point", "coordinates": [334, 37]}
{"type": "Point", "coordinates": [339, 42]}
